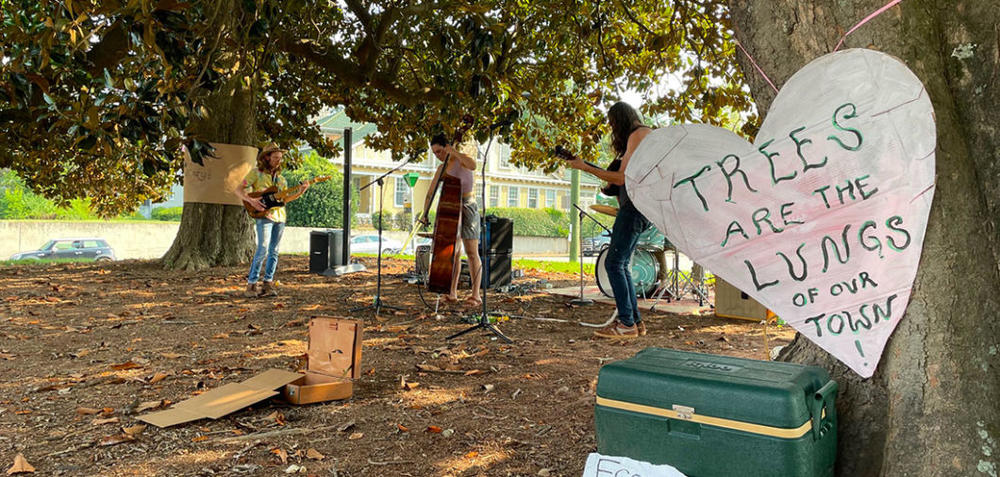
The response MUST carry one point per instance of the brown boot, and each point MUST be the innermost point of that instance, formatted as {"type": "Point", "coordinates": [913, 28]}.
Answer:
{"type": "Point", "coordinates": [641, 328]}
{"type": "Point", "coordinates": [252, 291]}
{"type": "Point", "coordinates": [269, 289]}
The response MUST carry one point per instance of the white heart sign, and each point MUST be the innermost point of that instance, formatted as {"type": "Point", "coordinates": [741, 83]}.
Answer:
{"type": "Point", "coordinates": [822, 219]}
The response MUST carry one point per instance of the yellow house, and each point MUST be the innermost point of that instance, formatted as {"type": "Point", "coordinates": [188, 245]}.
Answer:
{"type": "Point", "coordinates": [506, 185]}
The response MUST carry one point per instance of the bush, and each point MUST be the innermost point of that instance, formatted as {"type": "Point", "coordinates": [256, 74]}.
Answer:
{"type": "Point", "coordinates": [323, 204]}
{"type": "Point", "coordinates": [535, 222]}
{"type": "Point", "coordinates": [169, 214]}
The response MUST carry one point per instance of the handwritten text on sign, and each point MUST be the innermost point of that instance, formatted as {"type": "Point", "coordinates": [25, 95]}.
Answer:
{"type": "Point", "coordinates": [823, 219]}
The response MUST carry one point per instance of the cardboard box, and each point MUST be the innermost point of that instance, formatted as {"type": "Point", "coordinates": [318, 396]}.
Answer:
{"type": "Point", "coordinates": [731, 302]}
{"type": "Point", "coordinates": [333, 362]}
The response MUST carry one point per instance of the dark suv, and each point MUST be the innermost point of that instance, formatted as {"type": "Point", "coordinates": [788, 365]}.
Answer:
{"type": "Point", "coordinates": [595, 245]}
{"type": "Point", "coordinates": [76, 248]}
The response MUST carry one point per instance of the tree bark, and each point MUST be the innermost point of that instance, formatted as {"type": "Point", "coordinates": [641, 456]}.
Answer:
{"type": "Point", "coordinates": [930, 409]}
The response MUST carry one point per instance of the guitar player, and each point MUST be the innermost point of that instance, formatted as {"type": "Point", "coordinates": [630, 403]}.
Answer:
{"type": "Point", "coordinates": [627, 132]}
{"type": "Point", "coordinates": [272, 225]}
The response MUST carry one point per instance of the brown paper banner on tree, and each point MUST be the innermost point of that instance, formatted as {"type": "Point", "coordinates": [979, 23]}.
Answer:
{"type": "Point", "coordinates": [215, 181]}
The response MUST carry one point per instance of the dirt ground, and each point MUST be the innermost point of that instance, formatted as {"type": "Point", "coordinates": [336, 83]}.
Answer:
{"type": "Point", "coordinates": [85, 348]}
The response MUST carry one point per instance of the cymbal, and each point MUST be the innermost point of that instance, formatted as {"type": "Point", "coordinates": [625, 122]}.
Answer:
{"type": "Point", "coordinates": [604, 209]}
{"type": "Point", "coordinates": [425, 234]}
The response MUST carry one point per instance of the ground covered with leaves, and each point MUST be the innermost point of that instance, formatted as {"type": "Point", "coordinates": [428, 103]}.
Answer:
{"type": "Point", "coordinates": [86, 348]}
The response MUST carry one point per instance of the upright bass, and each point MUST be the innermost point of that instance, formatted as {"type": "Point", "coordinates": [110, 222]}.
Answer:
{"type": "Point", "coordinates": [447, 223]}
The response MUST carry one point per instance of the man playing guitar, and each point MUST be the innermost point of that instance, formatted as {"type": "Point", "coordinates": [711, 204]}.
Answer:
{"type": "Point", "coordinates": [272, 225]}
{"type": "Point", "coordinates": [461, 166]}
{"type": "Point", "coordinates": [627, 132]}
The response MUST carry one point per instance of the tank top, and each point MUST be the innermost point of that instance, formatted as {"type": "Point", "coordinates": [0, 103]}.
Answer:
{"type": "Point", "coordinates": [465, 175]}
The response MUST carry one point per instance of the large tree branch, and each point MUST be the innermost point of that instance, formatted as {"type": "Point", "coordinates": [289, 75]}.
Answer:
{"type": "Point", "coordinates": [350, 73]}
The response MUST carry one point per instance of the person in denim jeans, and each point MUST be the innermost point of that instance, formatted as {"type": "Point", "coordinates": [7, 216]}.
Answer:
{"type": "Point", "coordinates": [272, 225]}
{"type": "Point", "coordinates": [627, 132]}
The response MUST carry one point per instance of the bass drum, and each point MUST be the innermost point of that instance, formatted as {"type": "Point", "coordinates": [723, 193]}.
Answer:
{"type": "Point", "coordinates": [645, 269]}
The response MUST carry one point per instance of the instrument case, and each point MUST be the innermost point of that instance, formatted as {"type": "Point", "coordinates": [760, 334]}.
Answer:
{"type": "Point", "coordinates": [713, 416]}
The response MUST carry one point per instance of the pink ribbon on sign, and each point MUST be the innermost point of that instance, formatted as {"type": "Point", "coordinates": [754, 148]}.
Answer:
{"type": "Point", "coordinates": [754, 63]}
{"type": "Point", "coordinates": [865, 20]}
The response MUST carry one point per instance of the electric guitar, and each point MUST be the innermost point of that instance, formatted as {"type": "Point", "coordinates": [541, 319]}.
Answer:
{"type": "Point", "coordinates": [272, 197]}
{"type": "Point", "coordinates": [608, 189]}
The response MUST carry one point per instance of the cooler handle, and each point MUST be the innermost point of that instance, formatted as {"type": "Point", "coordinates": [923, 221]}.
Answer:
{"type": "Point", "coordinates": [822, 399]}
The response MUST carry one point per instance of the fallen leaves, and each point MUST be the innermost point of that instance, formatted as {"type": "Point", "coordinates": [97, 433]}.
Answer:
{"type": "Point", "coordinates": [101, 422]}
{"type": "Point", "coordinates": [355, 436]}
{"type": "Point", "coordinates": [282, 454]}
{"type": "Point", "coordinates": [407, 385]}
{"type": "Point", "coordinates": [314, 454]}
{"type": "Point", "coordinates": [146, 406]}
{"type": "Point", "coordinates": [434, 429]}
{"type": "Point", "coordinates": [21, 465]}
{"type": "Point", "coordinates": [199, 439]}
{"type": "Point", "coordinates": [125, 365]}
{"type": "Point", "coordinates": [157, 377]}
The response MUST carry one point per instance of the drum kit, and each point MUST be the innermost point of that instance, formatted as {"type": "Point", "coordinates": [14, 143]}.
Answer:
{"type": "Point", "coordinates": [650, 273]}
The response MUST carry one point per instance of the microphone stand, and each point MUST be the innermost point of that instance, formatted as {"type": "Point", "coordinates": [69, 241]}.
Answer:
{"type": "Point", "coordinates": [484, 275]}
{"type": "Point", "coordinates": [584, 301]}
{"type": "Point", "coordinates": [377, 303]}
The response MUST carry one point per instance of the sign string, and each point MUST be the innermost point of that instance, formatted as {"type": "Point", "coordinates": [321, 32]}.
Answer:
{"type": "Point", "coordinates": [865, 20]}
{"type": "Point", "coordinates": [839, 44]}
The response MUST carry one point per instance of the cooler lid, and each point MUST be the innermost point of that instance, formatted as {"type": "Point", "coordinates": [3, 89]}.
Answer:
{"type": "Point", "coordinates": [335, 347]}
{"type": "Point", "coordinates": [766, 393]}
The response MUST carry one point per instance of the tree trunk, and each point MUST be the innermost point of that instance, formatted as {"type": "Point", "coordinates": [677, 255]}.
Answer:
{"type": "Point", "coordinates": [930, 409]}
{"type": "Point", "coordinates": [214, 234]}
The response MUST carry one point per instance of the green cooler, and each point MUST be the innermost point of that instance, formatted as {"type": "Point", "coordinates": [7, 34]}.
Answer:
{"type": "Point", "coordinates": [712, 416]}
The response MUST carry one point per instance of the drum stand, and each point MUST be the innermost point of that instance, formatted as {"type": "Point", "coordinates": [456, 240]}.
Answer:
{"type": "Point", "coordinates": [679, 284]}
{"type": "Point", "coordinates": [584, 301]}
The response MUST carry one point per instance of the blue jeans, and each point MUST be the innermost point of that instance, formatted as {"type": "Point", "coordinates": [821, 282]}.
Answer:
{"type": "Point", "coordinates": [629, 224]}
{"type": "Point", "coordinates": [268, 239]}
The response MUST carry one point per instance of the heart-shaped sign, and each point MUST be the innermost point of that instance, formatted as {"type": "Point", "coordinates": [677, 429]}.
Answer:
{"type": "Point", "coordinates": [822, 219]}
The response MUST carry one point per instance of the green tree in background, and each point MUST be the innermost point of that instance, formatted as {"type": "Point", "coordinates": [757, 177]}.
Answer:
{"type": "Point", "coordinates": [323, 204]}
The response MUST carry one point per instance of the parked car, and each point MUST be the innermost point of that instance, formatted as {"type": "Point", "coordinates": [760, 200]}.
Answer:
{"type": "Point", "coordinates": [369, 244]}
{"type": "Point", "coordinates": [70, 248]}
{"type": "Point", "coordinates": [595, 245]}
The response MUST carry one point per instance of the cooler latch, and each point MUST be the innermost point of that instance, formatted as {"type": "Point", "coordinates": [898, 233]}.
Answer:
{"type": "Point", "coordinates": [683, 412]}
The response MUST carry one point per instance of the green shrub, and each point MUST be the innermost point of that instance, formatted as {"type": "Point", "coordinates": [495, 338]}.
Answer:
{"type": "Point", "coordinates": [169, 214]}
{"type": "Point", "coordinates": [323, 204]}
{"type": "Point", "coordinates": [535, 222]}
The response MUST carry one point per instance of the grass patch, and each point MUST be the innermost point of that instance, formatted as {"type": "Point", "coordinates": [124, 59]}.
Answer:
{"type": "Point", "coordinates": [554, 267]}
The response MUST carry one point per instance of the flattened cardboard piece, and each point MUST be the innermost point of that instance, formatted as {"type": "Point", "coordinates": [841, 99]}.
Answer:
{"type": "Point", "coordinates": [333, 359]}
{"type": "Point", "coordinates": [223, 400]}
{"type": "Point", "coordinates": [216, 180]}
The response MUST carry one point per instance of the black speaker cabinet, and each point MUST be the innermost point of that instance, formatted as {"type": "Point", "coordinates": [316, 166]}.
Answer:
{"type": "Point", "coordinates": [499, 234]}
{"type": "Point", "coordinates": [325, 250]}
{"type": "Point", "coordinates": [499, 266]}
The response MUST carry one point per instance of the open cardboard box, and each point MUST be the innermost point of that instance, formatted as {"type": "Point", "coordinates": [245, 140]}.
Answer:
{"type": "Point", "coordinates": [333, 361]}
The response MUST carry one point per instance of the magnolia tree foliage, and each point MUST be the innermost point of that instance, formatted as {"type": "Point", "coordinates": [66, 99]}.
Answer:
{"type": "Point", "coordinates": [97, 96]}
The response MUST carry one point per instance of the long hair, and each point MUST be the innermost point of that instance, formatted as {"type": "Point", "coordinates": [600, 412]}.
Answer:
{"type": "Point", "coordinates": [264, 166]}
{"type": "Point", "coordinates": [622, 119]}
